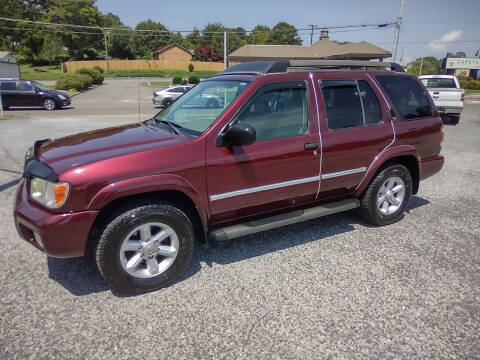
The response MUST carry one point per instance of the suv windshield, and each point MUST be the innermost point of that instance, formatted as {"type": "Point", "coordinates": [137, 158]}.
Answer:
{"type": "Point", "coordinates": [439, 82]}
{"type": "Point", "coordinates": [195, 111]}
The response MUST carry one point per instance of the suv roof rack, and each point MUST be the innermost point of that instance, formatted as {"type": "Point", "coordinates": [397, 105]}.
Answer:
{"type": "Point", "coordinates": [266, 67]}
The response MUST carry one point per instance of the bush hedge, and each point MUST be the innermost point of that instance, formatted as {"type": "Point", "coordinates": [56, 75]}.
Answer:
{"type": "Point", "coordinates": [95, 74]}
{"type": "Point", "coordinates": [74, 81]}
{"type": "Point", "coordinates": [184, 82]}
{"type": "Point", "coordinates": [470, 84]}
{"type": "Point", "coordinates": [177, 80]}
{"type": "Point", "coordinates": [193, 79]}
{"type": "Point", "coordinates": [99, 69]}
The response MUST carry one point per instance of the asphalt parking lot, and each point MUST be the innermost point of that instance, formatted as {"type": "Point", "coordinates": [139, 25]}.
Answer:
{"type": "Point", "coordinates": [334, 287]}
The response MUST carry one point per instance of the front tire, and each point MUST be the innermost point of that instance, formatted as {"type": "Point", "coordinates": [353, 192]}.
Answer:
{"type": "Point", "coordinates": [145, 248]}
{"type": "Point", "coordinates": [49, 104]}
{"type": "Point", "coordinates": [387, 196]}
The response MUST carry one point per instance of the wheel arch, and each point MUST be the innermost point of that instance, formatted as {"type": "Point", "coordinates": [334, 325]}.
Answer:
{"type": "Point", "coordinates": [405, 155]}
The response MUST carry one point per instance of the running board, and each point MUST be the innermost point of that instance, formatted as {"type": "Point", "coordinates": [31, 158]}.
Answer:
{"type": "Point", "coordinates": [251, 227]}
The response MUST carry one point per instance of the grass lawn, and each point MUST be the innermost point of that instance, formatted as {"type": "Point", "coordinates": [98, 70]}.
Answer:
{"type": "Point", "coordinates": [472, 91]}
{"type": "Point", "coordinates": [47, 72]}
{"type": "Point", "coordinates": [160, 83]}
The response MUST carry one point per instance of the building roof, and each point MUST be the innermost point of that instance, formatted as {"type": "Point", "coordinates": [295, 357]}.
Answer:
{"type": "Point", "coordinates": [5, 56]}
{"type": "Point", "coordinates": [322, 49]}
{"type": "Point", "coordinates": [169, 46]}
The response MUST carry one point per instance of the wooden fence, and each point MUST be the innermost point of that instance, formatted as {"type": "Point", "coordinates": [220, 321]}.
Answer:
{"type": "Point", "coordinates": [142, 65]}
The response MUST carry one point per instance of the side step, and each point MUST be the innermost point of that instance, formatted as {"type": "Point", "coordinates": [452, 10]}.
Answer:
{"type": "Point", "coordinates": [251, 227]}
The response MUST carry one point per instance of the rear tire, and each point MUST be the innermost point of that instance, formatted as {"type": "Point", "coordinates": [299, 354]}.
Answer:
{"type": "Point", "coordinates": [145, 248]}
{"type": "Point", "coordinates": [167, 102]}
{"type": "Point", "coordinates": [387, 196]}
{"type": "Point", "coordinates": [49, 104]}
{"type": "Point", "coordinates": [454, 119]}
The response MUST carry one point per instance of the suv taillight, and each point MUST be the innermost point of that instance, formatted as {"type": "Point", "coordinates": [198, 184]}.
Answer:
{"type": "Point", "coordinates": [462, 96]}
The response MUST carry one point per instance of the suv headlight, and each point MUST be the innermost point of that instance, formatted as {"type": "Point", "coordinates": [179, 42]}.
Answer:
{"type": "Point", "coordinates": [49, 194]}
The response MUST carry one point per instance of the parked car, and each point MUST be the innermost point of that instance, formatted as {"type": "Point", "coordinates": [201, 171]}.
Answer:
{"type": "Point", "coordinates": [30, 93]}
{"type": "Point", "coordinates": [166, 96]}
{"type": "Point", "coordinates": [286, 146]}
{"type": "Point", "coordinates": [447, 95]}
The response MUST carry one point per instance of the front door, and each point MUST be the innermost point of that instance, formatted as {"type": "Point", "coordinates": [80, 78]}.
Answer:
{"type": "Point", "coordinates": [27, 96]}
{"type": "Point", "coordinates": [281, 169]}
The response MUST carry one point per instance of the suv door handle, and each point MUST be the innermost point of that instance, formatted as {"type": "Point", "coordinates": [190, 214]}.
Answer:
{"type": "Point", "coordinates": [311, 146]}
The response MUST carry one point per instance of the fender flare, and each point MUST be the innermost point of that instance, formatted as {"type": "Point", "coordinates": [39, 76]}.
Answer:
{"type": "Point", "coordinates": [145, 184]}
{"type": "Point", "coordinates": [382, 158]}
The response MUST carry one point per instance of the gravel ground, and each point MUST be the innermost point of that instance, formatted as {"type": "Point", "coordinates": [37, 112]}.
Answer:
{"type": "Point", "coordinates": [328, 288]}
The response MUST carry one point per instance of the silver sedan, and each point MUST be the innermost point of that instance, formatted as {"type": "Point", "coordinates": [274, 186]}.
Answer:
{"type": "Point", "coordinates": [166, 96]}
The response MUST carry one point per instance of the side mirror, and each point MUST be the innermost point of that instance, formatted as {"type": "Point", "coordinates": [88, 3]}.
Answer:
{"type": "Point", "coordinates": [237, 135]}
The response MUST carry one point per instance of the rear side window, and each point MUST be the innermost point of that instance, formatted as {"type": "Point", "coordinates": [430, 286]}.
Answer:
{"type": "Point", "coordinates": [23, 86]}
{"type": "Point", "coordinates": [278, 112]}
{"type": "Point", "coordinates": [439, 83]}
{"type": "Point", "coordinates": [8, 85]}
{"type": "Point", "coordinates": [350, 103]}
{"type": "Point", "coordinates": [407, 95]}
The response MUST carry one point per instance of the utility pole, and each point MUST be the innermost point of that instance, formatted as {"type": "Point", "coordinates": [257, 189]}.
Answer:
{"type": "Point", "coordinates": [224, 49]}
{"type": "Point", "coordinates": [421, 67]}
{"type": "Point", "coordinates": [311, 32]}
{"type": "Point", "coordinates": [397, 30]}
{"type": "Point", "coordinates": [105, 34]}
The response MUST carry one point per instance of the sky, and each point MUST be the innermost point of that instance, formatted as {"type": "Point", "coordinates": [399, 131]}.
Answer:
{"type": "Point", "coordinates": [454, 23]}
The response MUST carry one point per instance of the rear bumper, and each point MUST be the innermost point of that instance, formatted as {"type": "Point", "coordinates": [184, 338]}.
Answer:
{"type": "Point", "coordinates": [430, 166]}
{"type": "Point", "coordinates": [60, 235]}
{"type": "Point", "coordinates": [450, 110]}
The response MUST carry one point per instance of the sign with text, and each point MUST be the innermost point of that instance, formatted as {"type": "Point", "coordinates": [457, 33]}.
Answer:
{"type": "Point", "coordinates": [463, 63]}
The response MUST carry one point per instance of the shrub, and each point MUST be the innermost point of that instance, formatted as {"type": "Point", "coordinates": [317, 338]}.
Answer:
{"type": "Point", "coordinates": [191, 67]}
{"type": "Point", "coordinates": [99, 69]}
{"type": "Point", "coordinates": [184, 82]}
{"type": "Point", "coordinates": [193, 79]}
{"type": "Point", "coordinates": [95, 74]}
{"type": "Point", "coordinates": [74, 81]}
{"type": "Point", "coordinates": [177, 80]}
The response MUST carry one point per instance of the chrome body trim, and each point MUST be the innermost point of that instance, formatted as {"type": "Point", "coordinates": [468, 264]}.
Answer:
{"type": "Point", "coordinates": [319, 134]}
{"type": "Point", "coordinates": [256, 189]}
{"type": "Point", "coordinates": [344, 172]}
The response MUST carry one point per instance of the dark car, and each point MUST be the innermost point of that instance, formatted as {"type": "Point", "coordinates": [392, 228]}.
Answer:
{"type": "Point", "coordinates": [290, 141]}
{"type": "Point", "coordinates": [31, 94]}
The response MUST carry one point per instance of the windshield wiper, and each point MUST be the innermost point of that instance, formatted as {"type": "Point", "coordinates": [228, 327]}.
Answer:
{"type": "Point", "coordinates": [171, 124]}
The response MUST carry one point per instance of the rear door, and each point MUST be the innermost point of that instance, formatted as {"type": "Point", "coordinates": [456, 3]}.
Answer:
{"type": "Point", "coordinates": [354, 129]}
{"type": "Point", "coordinates": [281, 169]}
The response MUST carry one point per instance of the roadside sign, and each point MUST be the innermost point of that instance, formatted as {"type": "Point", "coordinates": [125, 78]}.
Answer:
{"type": "Point", "coordinates": [463, 63]}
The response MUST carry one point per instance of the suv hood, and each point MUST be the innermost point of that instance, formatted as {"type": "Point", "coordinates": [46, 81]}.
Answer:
{"type": "Point", "coordinates": [80, 149]}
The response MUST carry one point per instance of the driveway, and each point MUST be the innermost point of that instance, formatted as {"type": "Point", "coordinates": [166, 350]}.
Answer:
{"type": "Point", "coordinates": [334, 287]}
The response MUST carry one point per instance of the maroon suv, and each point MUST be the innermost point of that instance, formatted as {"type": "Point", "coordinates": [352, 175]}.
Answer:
{"type": "Point", "coordinates": [293, 140]}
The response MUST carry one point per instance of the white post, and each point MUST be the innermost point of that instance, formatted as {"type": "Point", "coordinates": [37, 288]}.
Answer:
{"type": "Point", "coordinates": [397, 30]}
{"type": "Point", "coordinates": [1, 106]}
{"type": "Point", "coordinates": [224, 49]}
{"type": "Point", "coordinates": [106, 51]}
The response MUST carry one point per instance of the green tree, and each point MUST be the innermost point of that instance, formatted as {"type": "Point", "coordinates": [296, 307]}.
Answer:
{"type": "Point", "coordinates": [284, 33]}
{"type": "Point", "coordinates": [52, 49]}
{"type": "Point", "coordinates": [118, 39]}
{"type": "Point", "coordinates": [430, 66]}
{"type": "Point", "coordinates": [142, 44]}
{"type": "Point", "coordinates": [259, 35]}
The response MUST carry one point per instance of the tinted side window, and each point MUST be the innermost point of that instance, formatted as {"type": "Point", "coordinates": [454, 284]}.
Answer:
{"type": "Point", "coordinates": [278, 113]}
{"type": "Point", "coordinates": [407, 95]}
{"type": "Point", "coordinates": [342, 104]}
{"type": "Point", "coordinates": [8, 85]}
{"type": "Point", "coordinates": [371, 106]}
{"type": "Point", "coordinates": [23, 86]}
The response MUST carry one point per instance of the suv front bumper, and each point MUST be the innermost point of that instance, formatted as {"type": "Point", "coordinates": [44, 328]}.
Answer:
{"type": "Point", "coordinates": [61, 235]}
